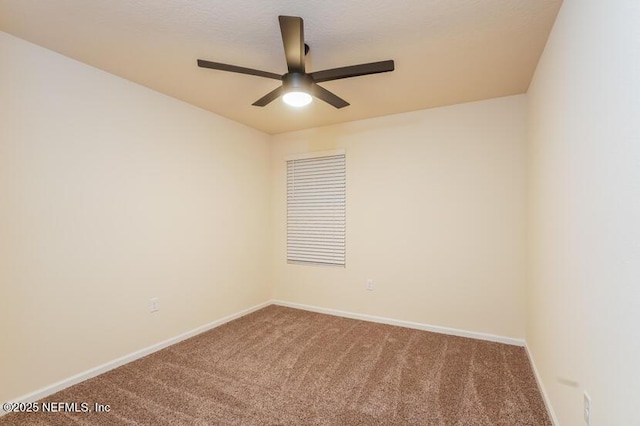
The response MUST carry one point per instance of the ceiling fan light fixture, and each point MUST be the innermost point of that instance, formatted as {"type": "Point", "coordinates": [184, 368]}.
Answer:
{"type": "Point", "coordinates": [299, 87]}
{"type": "Point", "coordinates": [297, 98]}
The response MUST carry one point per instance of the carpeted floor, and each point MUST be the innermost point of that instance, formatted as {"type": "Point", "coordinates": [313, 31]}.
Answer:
{"type": "Point", "coordinates": [283, 366]}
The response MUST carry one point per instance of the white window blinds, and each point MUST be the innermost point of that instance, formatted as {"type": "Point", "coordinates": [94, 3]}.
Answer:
{"type": "Point", "coordinates": [316, 204]}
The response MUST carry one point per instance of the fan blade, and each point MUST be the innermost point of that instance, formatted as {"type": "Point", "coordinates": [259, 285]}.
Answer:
{"type": "Point", "coordinates": [352, 71]}
{"type": "Point", "coordinates": [232, 68]}
{"type": "Point", "coordinates": [292, 30]}
{"type": "Point", "coordinates": [266, 99]}
{"type": "Point", "coordinates": [325, 95]}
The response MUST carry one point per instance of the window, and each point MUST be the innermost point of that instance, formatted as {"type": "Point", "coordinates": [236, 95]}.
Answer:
{"type": "Point", "coordinates": [316, 205]}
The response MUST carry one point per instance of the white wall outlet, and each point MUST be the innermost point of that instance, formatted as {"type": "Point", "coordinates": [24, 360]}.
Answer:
{"type": "Point", "coordinates": [587, 409]}
{"type": "Point", "coordinates": [154, 304]}
{"type": "Point", "coordinates": [369, 284]}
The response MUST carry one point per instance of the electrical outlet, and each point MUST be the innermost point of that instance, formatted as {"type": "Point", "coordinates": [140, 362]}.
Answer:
{"type": "Point", "coordinates": [369, 284]}
{"type": "Point", "coordinates": [154, 304]}
{"type": "Point", "coordinates": [587, 409]}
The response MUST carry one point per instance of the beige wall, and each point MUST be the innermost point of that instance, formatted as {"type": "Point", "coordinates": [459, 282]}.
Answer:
{"type": "Point", "coordinates": [435, 216]}
{"type": "Point", "coordinates": [584, 290]}
{"type": "Point", "coordinates": [111, 194]}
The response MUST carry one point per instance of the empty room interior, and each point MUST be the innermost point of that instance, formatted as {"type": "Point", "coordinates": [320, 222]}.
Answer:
{"type": "Point", "coordinates": [447, 234]}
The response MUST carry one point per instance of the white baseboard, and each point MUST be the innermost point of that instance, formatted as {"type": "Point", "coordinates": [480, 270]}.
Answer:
{"type": "Point", "coordinates": [541, 388]}
{"type": "Point", "coordinates": [408, 324]}
{"type": "Point", "coordinates": [80, 377]}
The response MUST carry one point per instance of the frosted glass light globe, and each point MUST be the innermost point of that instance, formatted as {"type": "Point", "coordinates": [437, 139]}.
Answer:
{"type": "Point", "coordinates": [297, 99]}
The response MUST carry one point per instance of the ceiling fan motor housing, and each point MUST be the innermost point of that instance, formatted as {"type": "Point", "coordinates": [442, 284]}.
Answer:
{"type": "Point", "coordinates": [297, 82]}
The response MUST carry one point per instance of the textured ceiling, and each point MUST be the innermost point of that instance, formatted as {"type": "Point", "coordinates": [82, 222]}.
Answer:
{"type": "Point", "coordinates": [445, 51]}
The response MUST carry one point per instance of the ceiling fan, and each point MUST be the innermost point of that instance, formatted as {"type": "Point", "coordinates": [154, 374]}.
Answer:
{"type": "Point", "coordinates": [298, 86]}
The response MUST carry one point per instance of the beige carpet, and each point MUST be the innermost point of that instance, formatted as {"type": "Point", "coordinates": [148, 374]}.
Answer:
{"type": "Point", "coordinates": [283, 366]}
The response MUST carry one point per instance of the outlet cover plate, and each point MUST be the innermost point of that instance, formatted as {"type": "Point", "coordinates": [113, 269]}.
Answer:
{"type": "Point", "coordinates": [587, 409]}
{"type": "Point", "coordinates": [154, 304]}
{"type": "Point", "coordinates": [369, 284]}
